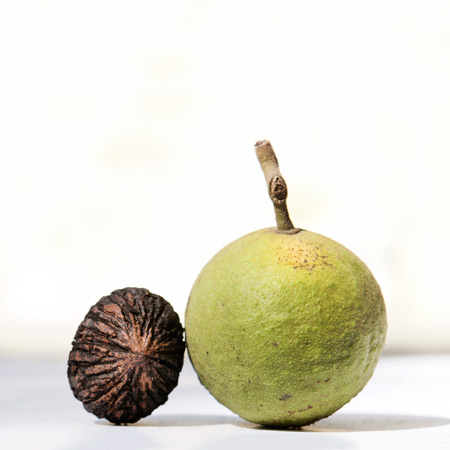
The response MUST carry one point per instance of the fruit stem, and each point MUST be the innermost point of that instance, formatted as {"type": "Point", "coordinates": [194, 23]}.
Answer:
{"type": "Point", "coordinates": [276, 185]}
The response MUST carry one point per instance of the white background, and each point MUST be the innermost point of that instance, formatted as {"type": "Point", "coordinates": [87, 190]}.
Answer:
{"type": "Point", "coordinates": [126, 140]}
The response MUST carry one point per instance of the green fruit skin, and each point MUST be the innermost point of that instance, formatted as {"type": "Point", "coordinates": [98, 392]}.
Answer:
{"type": "Point", "coordinates": [284, 329]}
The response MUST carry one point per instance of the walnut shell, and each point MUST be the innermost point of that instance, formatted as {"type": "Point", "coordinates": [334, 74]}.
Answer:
{"type": "Point", "coordinates": [127, 355]}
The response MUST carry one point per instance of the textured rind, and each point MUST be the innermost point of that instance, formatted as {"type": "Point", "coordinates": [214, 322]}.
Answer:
{"type": "Point", "coordinates": [126, 355]}
{"type": "Point", "coordinates": [285, 329]}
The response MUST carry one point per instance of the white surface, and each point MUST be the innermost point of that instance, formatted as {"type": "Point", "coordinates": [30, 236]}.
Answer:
{"type": "Point", "coordinates": [104, 104]}
{"type": "Point", "coordinates": [404, 406]}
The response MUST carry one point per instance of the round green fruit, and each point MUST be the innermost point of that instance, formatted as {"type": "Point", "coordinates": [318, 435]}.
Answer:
{"type": "Point", "coordinates": [285, 326]}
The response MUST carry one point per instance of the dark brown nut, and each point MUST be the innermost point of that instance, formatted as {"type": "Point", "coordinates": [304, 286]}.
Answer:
{"type": "Point", "coordinates": [127, 355]}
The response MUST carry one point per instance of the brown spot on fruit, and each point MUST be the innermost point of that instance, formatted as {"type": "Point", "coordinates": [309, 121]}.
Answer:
{"type": "Point", "coordinates": [300, 256]}
{"type": "Point", "coordinates": [285, 397]}
{"type": "Point", "coordinates": [300, 410]}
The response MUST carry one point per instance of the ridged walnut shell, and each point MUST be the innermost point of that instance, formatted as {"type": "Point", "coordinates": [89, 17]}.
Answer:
{"type": "Point", "coordinates": [127, 355]}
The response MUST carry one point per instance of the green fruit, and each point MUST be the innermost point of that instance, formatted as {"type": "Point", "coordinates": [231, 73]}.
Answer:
{"type": "Point", "coordinates": [285, 326]}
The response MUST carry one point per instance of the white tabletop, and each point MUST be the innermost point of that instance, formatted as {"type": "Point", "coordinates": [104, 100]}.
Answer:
{"type": "Point", "coordinates": [405, 405]}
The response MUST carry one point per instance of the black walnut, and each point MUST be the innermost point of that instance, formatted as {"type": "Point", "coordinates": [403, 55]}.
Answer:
{"type": "Point", "coordinates": [126, 355]}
